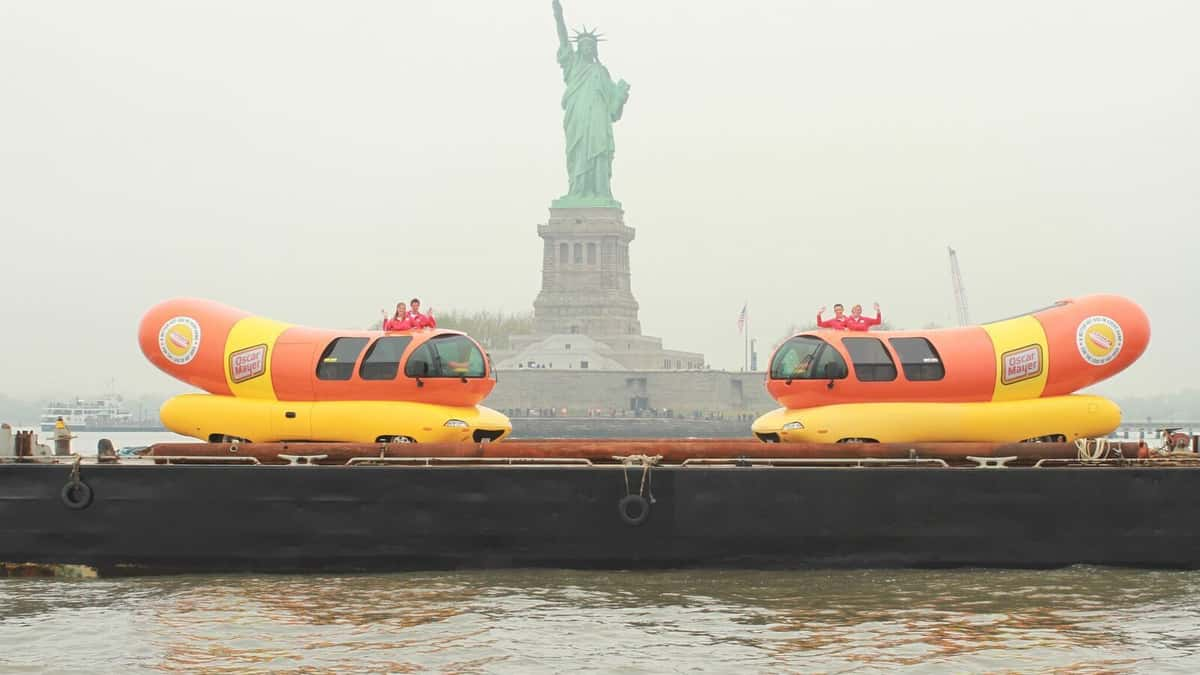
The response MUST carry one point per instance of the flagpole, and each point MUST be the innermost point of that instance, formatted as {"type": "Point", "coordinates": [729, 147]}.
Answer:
{"type": "Point", "coordinates": [746, 338]}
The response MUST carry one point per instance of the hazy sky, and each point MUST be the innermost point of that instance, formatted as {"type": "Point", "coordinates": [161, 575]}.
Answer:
{"type": "Point", "coordinates": [315, 161]}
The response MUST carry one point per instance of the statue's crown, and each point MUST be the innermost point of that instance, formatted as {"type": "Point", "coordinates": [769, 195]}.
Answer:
{"type": "Point", "coordinates": [586, 34]}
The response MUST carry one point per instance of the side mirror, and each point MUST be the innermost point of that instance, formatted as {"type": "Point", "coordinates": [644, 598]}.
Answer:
{"type": "Point", "coordinates": [832, 372]}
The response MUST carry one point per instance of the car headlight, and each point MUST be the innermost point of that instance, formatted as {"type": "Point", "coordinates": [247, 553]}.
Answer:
{"type": "Point", "coordinates": [456, 424]}
{"type": "Point", "coordinates": [793, 426]}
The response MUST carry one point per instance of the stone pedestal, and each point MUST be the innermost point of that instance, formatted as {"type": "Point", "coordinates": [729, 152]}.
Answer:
{"type": "Point", "coordinates": [585, 274]}
{"type": "Point", "coordinates": [586, 293]}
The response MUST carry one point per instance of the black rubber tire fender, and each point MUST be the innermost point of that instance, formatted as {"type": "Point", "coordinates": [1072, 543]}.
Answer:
{"type": "Point", "coordinates": [638, 505]}
{"type": "Point", "coordinates": [76, 496]}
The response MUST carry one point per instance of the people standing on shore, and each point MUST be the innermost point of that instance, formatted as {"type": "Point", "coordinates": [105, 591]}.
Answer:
{"type": "Point", "coordinates": [419, 320]}
{"type": "Point", "coordinates": [857, 322]}
{"type": "Point", "coordinates": [837, 322]}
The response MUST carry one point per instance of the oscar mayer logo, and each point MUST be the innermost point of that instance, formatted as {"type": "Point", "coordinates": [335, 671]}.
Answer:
{"type": "Point", "coordinates": [247, 364]}
{"type": "Point", "coordinates": [1099, 339]}
{"type": "Point", "coordinates": [179, 340]}
{"type": "Point", "coordinates": [1021, 364]}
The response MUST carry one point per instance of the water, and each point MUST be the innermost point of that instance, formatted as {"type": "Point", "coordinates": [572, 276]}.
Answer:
{"type": "Point", "coordinates": [1075, 619]}
{"type": "Point", "coordinates": [1080, 619]}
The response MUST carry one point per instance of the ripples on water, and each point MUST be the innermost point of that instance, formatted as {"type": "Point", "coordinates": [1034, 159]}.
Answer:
{"type": "Point", "coordinates": [1076, 619]}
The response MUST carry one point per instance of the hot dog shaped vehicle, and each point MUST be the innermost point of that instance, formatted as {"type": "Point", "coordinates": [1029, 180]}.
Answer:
{"type": "Point", "coordinates": [1005, 381]}
{"type": "Point", "coordinates": [269, 381]}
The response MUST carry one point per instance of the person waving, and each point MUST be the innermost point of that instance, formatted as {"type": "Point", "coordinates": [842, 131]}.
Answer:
{"type": "Point", "coordinates": [418, 319]}
{"type": "Point", "coordinates": [397, 321]}
{"type": "Point", "coordinates": [838, 322]}
{"type": "Point", "coordinates": [857, 322]}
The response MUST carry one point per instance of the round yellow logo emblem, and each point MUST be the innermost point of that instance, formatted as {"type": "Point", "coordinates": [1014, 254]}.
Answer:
{"type": "Point", "coordinates": [1099, 339]}
{"type": "Point", "coordinates": [179, 339]}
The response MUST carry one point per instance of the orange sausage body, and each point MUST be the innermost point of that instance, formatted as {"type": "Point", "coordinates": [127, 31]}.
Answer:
{"type": "Point", "coordinates": [1050, 352]}
{"type": "Point", "coordinates": [229, 352]}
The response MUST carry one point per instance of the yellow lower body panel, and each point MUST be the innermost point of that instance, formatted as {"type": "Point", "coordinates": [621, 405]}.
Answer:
{"type": "Point", "coordinates": [1076, 416]}
{"type": "Point", "coordinates": [206, 416]}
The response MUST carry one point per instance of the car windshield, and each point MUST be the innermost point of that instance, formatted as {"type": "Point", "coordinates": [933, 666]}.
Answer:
{"type": "Point", "coordinates": [447, 356]}
{"type": "Point", "coordinates": [804, 357]}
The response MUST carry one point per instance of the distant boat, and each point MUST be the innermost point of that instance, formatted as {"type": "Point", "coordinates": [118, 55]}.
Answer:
{"type": "Point", "coordinates": [103, 414]}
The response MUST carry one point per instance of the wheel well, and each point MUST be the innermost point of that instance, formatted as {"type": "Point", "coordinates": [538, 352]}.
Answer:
{"type": "Point", "coordinates": [225, 438]}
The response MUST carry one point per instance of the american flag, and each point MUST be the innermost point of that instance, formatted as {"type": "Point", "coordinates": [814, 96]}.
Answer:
{"type": "Point", "coordinates": [742, 318]}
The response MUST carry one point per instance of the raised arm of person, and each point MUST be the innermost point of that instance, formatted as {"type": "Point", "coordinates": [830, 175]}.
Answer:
{"type": "Point", "coordinates": [820, 322]}
{"type": "Point", "coordinates": [563, 41]}
{"type": "Point", "coordinates": [878, 317]}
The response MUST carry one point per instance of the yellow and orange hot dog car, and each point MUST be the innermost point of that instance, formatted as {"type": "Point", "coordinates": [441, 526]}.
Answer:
{"type": "Point", "coordinates": [270, 381]}
{"type": "Point", "coordinates": [1005, 381]}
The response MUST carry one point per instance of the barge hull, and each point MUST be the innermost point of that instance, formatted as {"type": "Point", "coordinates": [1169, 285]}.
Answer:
{"type": "Point", "coordinates": [289, 518]}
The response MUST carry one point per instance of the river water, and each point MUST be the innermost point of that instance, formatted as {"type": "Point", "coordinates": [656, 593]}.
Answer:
{"type": "Point", "coordinates": [1079, 619]}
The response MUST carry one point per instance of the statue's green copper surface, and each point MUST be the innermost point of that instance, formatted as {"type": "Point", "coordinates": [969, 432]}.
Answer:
{"type": "Point", "coordinates": [591, 103]}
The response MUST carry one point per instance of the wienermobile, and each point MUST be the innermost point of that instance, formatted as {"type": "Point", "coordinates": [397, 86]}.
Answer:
{"type": "Point", "coordinates": [1007, 381]}
{"type": "Point", "coordinates": [269, 381]}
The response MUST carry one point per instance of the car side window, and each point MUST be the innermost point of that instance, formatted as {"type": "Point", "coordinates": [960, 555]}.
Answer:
{"type": "Point", "coordinates": [422, 362]}
{"type": "Point", "coordinates": [382, 361]}
{"type": "Point", "coordinates": [337, 361]}
{"type": "Point", "coordinates": [871, 360]}
{"type": "Point", "coordinates": [919, 359]}
{"type": "Point", "coordinates": [829, 365]}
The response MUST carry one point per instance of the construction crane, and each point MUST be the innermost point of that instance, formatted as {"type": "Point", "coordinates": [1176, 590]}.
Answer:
{"type": "Point", "coordinates": [960, 293]}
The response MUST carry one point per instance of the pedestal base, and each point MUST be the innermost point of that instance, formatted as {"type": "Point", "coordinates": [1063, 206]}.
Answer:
{"type": "Point", "coordinates": [585, 274]}
{"type": "Point", "coordinates": [567, 202]}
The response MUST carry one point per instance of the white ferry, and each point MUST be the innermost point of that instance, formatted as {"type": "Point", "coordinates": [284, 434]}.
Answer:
{"type": "Point", "coordinates": [104, 414]}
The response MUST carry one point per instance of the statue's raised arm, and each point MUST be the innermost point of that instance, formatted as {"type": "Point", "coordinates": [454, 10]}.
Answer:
{"type": "Point", "coordinates": [563, 40]}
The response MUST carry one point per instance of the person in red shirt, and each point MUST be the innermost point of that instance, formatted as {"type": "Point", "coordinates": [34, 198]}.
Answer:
{"type": "Point", "coordinates": [838, 322]}
{"type": "Point", "coordinates": [856, 321]}
{"type": "Point", "coordinates": [399, 320]}
{"type": "Point", "coordinates": [418, 319]}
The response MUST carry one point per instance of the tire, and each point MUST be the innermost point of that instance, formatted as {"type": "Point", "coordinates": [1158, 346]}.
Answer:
{"type": "Point", "coordinates": [394, 439]}
{"type": "Point", "coordinates": [633, 509]}
{"type": "Point", "coordinates": [223, 438]}
{"type": "Point", "coordinates": [76, 497]}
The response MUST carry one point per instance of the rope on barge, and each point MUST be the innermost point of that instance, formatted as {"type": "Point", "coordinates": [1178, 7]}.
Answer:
{"type": "Point", "coordinates": [76, 494]}
{"type": "Point", "coordinates": [635, 508]}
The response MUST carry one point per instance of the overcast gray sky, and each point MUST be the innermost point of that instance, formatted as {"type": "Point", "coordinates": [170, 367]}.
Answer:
{"type": "Point", "coordinates": [315, 161]}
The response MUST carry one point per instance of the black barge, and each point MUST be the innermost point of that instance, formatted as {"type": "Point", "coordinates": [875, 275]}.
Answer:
{"type": "Point", "coordinates": [231, 512]}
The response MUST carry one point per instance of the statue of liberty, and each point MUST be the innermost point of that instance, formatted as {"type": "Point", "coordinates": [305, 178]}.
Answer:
{"type": "Point", "coordinates": [591, 103]}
